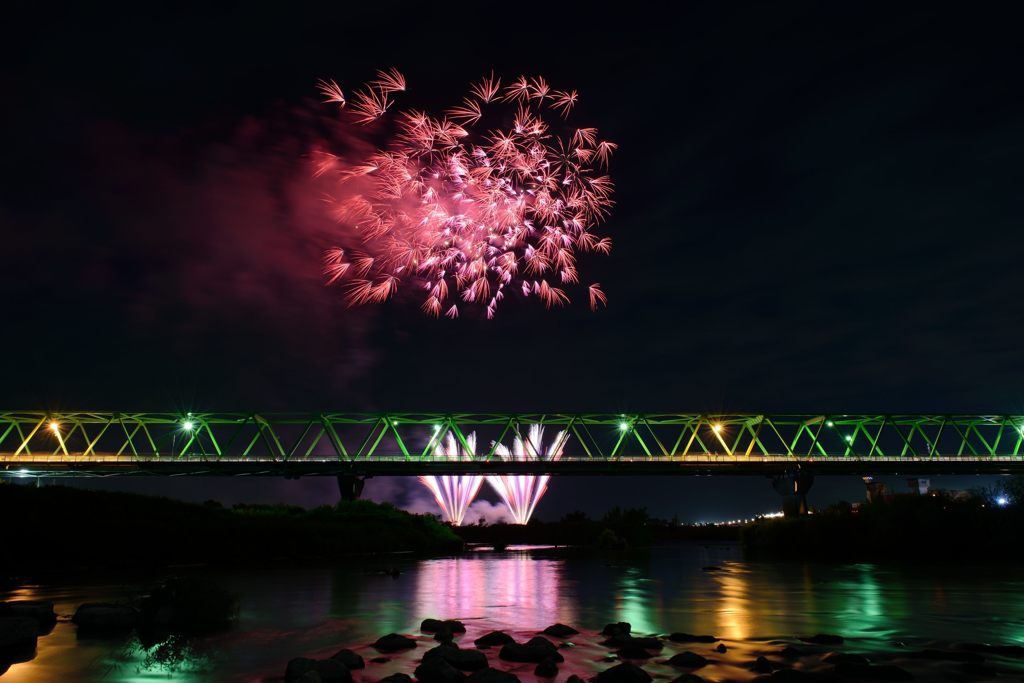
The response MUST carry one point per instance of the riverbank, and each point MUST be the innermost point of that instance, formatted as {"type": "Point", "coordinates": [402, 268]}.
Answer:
{"type": "Point", "coordinates": [57, 530]}
{"type": "Point", "coordinates": [903, 528]}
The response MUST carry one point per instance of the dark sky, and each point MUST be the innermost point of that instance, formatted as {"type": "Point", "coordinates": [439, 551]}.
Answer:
{"type": "Point", "coordinates": [818, 209]}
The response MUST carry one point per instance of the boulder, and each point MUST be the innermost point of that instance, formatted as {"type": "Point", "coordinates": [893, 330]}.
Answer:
{"type": "Point", "coordinates": [490, 675]}
{"type": "Point", "coordinates": [546, 669]}
{"type": "Point", "coordinates": [394, 642]}
{"type": "Point", "coordinates": [380, 660]}
{"type": "Point", "coordinates": [623, 640]}
{"type": "Point", "coordinates": [691, 638]}
{"type": "Point", "coordinates": [790, 652]}
{"type": "Point", "coordinates": [1002, 650]}
{"type": "Point", "coordinates": [623, 627]}
{"type": "Point", "coordinates": [559, 631]}
{"type": "Point", "coordinates": [633, 652]}
{"type": "Point", "coordinates": [797, 676]}
{"type": "Point", "coordinates": [688, 678]}
{"type": "Point", "coordinates": [494, 638]}
{"type": "Point", "coordinates": [947, 656]}
{"type": "Point", "coordinates": [350, 659]}
{"type": "Point", "coordinates": [39, 610]}
{"type": "Point", "coordinates": [574, 679]}
{"type": "Point", "coordinates": [823, 639]}
{"type": "Point", "coordinates": [870, 672]}
{"type": "Point", "coordinates": [328, 670]}
{"type": "Point", "coordinates": [721, 648]}
{"type": "Point", "coordinates": [687, 660]}
{"type": "Point", "coordinates": [623, 673]}
{"type": "Point", "coordinates": [16, 632]}
{"type": "Point", "coordinates": [397, 678]}
{"type": "Point", "coordinates": [464, 660]}
{"type": "Point", "coordinates": [835, 658]}
{"type": "Point", "coordinates": [435, 625]}
{"type": "Point", "coordinates": [99, 616]}
{"type": "Point", "coordinates": [438, 670]}
{"type": "Point", "coordinates": [535, 651]}
{"type": "Point", "coordinates": [762, 666]}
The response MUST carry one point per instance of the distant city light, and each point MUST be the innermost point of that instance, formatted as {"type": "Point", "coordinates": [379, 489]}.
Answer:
{"type": "Point", "coordinates": [1002, 501]}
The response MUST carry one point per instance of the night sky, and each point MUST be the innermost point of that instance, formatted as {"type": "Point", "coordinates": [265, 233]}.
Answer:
{"type": "Point", "coordinates": [818, 210]}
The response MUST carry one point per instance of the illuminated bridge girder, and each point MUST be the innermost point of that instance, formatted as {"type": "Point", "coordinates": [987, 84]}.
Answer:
{"type": "Point", "coordinates": [52, 443]}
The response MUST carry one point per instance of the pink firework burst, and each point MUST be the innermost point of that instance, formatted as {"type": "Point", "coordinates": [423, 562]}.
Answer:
{"type": "Point", "coordinates": [495, 195]}
{"type": "Point", "coordinates": [521, 493]}
{"type": "Point", "coordinates": [454, 493]}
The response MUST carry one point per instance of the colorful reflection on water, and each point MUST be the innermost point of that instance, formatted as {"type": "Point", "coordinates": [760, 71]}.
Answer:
{"type": "Point", "coordinates": [315, 611]}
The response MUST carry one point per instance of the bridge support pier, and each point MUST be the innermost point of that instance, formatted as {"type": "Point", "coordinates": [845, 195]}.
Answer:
{"type": "Point", "coordinates": [350, 486]}
{"type": "Point", "coordinates": [793, 487]}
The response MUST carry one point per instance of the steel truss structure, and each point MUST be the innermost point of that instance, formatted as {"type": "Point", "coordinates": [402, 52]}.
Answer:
{"type": "Point", "coordinates": [97, 443]}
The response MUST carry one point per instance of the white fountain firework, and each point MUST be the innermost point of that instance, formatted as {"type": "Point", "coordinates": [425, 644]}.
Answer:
{"type": "Point", "coordinates": [454, 493]}
{"type": "Point", "coordinates": [522, 492]}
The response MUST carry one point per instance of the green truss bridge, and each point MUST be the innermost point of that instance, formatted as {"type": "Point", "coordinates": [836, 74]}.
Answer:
{"type": "Point", "coordinates": [51, 443]}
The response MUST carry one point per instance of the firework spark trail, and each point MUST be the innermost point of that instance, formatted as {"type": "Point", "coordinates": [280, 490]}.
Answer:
{"type": "Point", "coordinates": [521, 493]}
{"type": "Point", "coordinates": [487, 199]}
{"type": "Point", "coordinates": [454, 493]}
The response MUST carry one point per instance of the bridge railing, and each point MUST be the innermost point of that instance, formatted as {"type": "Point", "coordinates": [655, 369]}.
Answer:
{"type": "Point", "coordinates": [35, 436]}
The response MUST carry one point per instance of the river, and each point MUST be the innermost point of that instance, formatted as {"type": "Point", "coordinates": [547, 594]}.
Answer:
{"type": "Point", "coordinates": [754, 607]}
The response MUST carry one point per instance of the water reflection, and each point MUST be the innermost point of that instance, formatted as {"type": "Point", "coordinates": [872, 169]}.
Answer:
{"type": "Point", "coordinates": [516, 589]}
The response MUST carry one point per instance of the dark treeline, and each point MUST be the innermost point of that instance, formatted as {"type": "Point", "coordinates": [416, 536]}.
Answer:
{"type": "Point", "coordinates": [979, 526]}
{"type": "Point", "coordinates": [619, 529]}
{"type": "Point", "coordinates": [56, 529]}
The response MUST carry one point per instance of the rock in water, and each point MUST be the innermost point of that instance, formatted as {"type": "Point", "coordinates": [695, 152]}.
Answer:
{"type": "Point", "coordinates": [690, 638]}
{"type": "Point", "coordinates": [869, 672]}
{"type": "Point", "coordinates": [99, 616]}
{"type": "Point", "coordinates": [465, 660]}
{"type": "Point", "coordinates": [762, 666]}
{"type": "Point", "coordinates": [623, 673]}
{"type": "Point", "coordinates": [559, 631]}
{"type": "Point", "coordinates": [546, 669]}
{"type": "Point", "coordinates": [535, 651]}
{"type": "Point", "coordinates": [721, 648]}
{"type": "Point", "coordinates": [622, 627]}
{"type": "Point", "coordinates": [350, 659]}
{"type": "Point", "coordinates": [494, 638]}
{"type": "Point", "coordinates": [689, 678]}
{"type": "Point", "coordinates": [39, 610]}
{"type": "Point", "coordinates": [329, 670]}
{"type": "Point", "coordinates": [626, 641]}
{"type": "Point", "coordinates": [397, 678]}
{"type": "Point", "coordinates": [394, 642]}
{"type": "Point", "coordinates": [490, 675]}
{"type": "Point", "coordinates": [17, 632]}
{"type": "Point", "coordinates": [633, 652]}
{"type": "Point", "coordinates": [688, 660]}
{"type": "Point", "coordinates": [823, 639]}
{"type": "Point", "coordinates": [1004, 650]}
{"type": "Point", "coordinates": [435, 625]}
{"type": "Point", "coordinates": [438, 670]}
{"type": "Point", "coordinates": [574, 679]}
{"type": "Point", "coordinates": [790, 652]}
